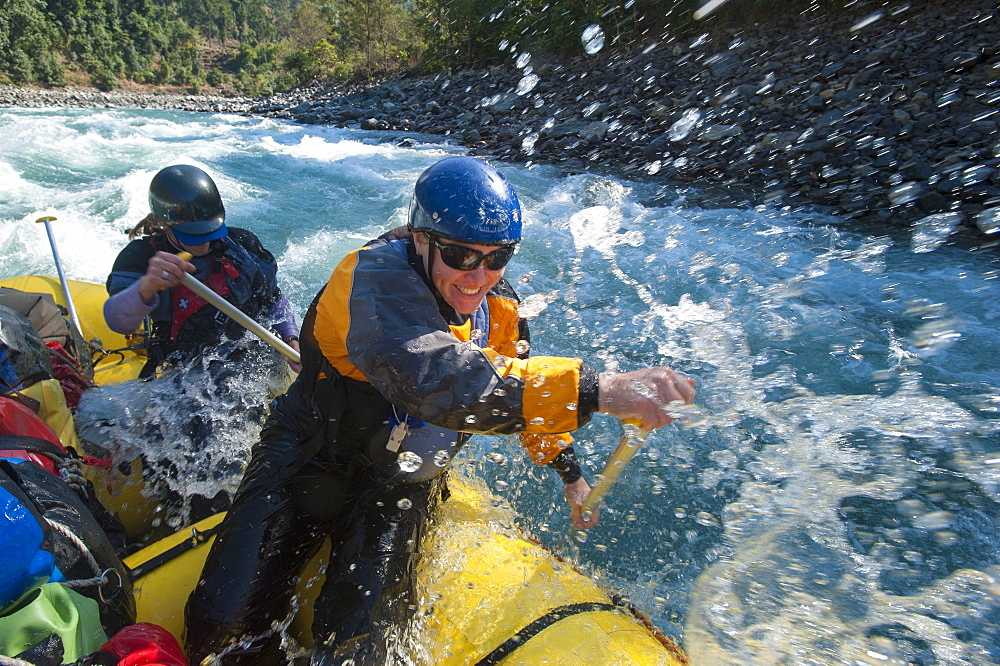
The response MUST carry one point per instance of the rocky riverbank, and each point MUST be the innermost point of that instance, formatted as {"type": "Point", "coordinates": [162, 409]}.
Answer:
{"type": "Point", "coordinates": [885, 114]}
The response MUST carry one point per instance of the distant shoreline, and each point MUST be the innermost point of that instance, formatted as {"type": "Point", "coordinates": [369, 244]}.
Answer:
{"type": "Point", "coordinates": [889, 124]}
{"type": "Point", "coordinates": [80, 97]}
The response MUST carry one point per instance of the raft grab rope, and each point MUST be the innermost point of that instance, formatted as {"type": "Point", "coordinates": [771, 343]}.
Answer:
{"type": "Point", "coordinates": [536, 627]}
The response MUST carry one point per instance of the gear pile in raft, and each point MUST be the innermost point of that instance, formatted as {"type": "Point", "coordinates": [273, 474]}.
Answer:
{"type": "Point", "coordinates": [65, 595]}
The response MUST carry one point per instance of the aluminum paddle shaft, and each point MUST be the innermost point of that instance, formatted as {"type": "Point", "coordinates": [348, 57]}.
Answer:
{"type": "Point", "coordinates": [62, 276]}
{"type": "Point", "coordinates": [192, 283]}
{"type": "Point", "coordinates": [629, 444]}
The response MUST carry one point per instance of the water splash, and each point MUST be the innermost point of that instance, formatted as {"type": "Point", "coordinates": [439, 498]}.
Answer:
{"type": "Point", "coordinates": [932, 231]}
{"type": "Point", "coordinates": [593, 39]}
{"type": "Point", "coordinates": [686, 124]}
{"type": "Point", "coordinates": [527, 84]}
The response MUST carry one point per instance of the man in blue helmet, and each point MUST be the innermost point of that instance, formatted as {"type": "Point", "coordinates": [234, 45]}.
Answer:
{"type": "Point", "coordinates": [413, 345]}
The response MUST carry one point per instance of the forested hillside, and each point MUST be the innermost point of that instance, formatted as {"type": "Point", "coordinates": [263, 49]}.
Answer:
{"type": "Point", "coordinates": [261, 46]}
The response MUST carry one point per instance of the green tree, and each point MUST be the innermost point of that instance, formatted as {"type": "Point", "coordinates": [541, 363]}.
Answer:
{"type": "Point", "coordinates": [26, 39]}
{"type": "Point", "coordinates": [383, 33]}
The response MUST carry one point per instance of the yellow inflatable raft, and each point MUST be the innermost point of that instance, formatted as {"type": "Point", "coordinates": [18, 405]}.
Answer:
{"type": "Point", "coordinates": [488, 593]}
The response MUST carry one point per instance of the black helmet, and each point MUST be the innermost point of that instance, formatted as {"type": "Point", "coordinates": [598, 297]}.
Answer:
{"type": "Point", "coordinates": [186, 198]}
{"type": "Point", "coordinates": [465, 199]}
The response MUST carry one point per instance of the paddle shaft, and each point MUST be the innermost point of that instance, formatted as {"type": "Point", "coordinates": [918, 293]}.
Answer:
{"type": "Point", "coordinates": [192, 283]}
{"type": "Point", "coordinates": [59, 270]}
{"type": "Point", "coordinates": [627, 447]}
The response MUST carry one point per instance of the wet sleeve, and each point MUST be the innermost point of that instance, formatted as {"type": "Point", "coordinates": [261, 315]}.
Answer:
{"type": "Point", "coordinates": [285, 325]}
{"type": "Point", "coordinates": [125, 309]}
{"type": "Point", "coordinates": [130, 265]}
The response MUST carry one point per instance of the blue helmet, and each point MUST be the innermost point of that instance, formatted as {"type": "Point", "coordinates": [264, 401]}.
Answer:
{"type": "Point", "coordinates": [465, 199]}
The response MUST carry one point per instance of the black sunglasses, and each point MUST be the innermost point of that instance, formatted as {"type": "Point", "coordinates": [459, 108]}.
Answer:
{"type": "Point", "coordinates": [463, 258]}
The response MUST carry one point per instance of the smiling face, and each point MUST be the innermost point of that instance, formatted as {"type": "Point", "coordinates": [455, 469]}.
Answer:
{"type": "Point", "coordinates": [462, 290]}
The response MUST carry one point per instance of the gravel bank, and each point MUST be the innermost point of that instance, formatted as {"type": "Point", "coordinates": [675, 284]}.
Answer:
{"type": "Point", "coordinates": [887, 114]}
{"type": "Point", "coordinates": [93, 98]}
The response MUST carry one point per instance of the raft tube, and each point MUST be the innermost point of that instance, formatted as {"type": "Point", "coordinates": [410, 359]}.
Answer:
{"type": "Point", "coordinates": [488, 593]}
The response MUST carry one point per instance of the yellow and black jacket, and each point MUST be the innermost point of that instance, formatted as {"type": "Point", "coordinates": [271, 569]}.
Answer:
{"type": "Point", "coordinates": [379, 323]}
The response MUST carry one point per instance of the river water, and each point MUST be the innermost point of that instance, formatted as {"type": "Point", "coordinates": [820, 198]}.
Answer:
{"type": "Point", "coordinates": [833, 498]}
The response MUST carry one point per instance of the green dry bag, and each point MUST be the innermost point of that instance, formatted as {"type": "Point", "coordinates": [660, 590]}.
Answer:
{"type": "Point", "coordinates": [52, 609]}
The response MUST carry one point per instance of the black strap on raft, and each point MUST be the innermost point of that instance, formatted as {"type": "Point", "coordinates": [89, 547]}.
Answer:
{"type": "Point", "coordinates": [536, 627]}
{"type": "Point", "coordinates": [31, 445]}
{"type": "Point", "coordinates": [197, 538]}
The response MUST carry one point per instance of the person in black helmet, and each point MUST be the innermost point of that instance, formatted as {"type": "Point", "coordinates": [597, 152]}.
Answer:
{"type": "Point", "coordinates": [188, 214]}
{"type": "Point", "coordinates": [217, 369]}
{"type": "Point", "coordinates": [414, 344]}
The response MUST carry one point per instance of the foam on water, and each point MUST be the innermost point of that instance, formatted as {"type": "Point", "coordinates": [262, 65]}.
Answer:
{"type": "Point", "coordinates": [834, 496]}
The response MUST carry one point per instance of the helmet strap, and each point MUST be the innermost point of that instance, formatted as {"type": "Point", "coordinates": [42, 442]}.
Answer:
{"type": "Point", "coordinates": [171, 238]}
{"type": "Point", "coordinates": [430, 260]}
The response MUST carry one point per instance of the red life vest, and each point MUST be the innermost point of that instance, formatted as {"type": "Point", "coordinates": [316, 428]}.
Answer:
{"type": "Point", "coordinates": [186, 302]}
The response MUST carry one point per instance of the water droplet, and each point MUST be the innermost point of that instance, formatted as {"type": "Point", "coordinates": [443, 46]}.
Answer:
{"type": "Point", "coordinates": [471, 418]}
{"type": "Point", "coordinates": [523, 60]}
{"type": "Point", "coordinates": [528, 143]}
{"type": "Point", "coordinates": [934, 520]}
{"type": "Point", "coordinates": [706, 519]}
{"type": "Point", "coordinates": [937, 335]}
{"type": "Point", "coordinates": [409, 461]}
{"type": "Point", "coordinates": [680, 512]}
{"type": "Point", "coordinates": [933, 230]}
{"type": "Point", "coordinates": [475, 333]}
{"type": "Point", "coordinates": [905, 193]}
{"type": "Point", "coordinates": [976, 174]}
{"type": "Point", "coordinates": [523, 346]}
{"type": "Point", "coordinates": [499, 392]}
{"type": "Point", "coordinates": [571, 406]}
{"type": "Point", "coordinates": [527, 84]}
{"type": "Point", "coordinates": [988, 220]}
{"type": "Point", "coordinates": [868, 20]}
{"type": "Point", "coordinates": [504, 44]}
{"type": "Point", "coordinates": [404, 503]}
{"type": "Point", "coordinates": [441, 458]}
{"type": "Point", "coordinates": [538, 420]}
{"type": "Point", "coordinates": [593, 38]}
{"type": "Point", "coordinates": [502, 486]}
{"type": "Point", "coordinates": [683, 127]}
{"type": "Point", "coordinates": [500, 362]}
{"type": "Point", "coordinates": [497, 458]}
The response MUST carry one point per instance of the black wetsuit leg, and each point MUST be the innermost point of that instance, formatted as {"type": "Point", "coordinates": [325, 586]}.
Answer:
{"type": "Point", "coordinates": [369, 590]}
{"type": "Point", "coordinates": [283, 509]}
